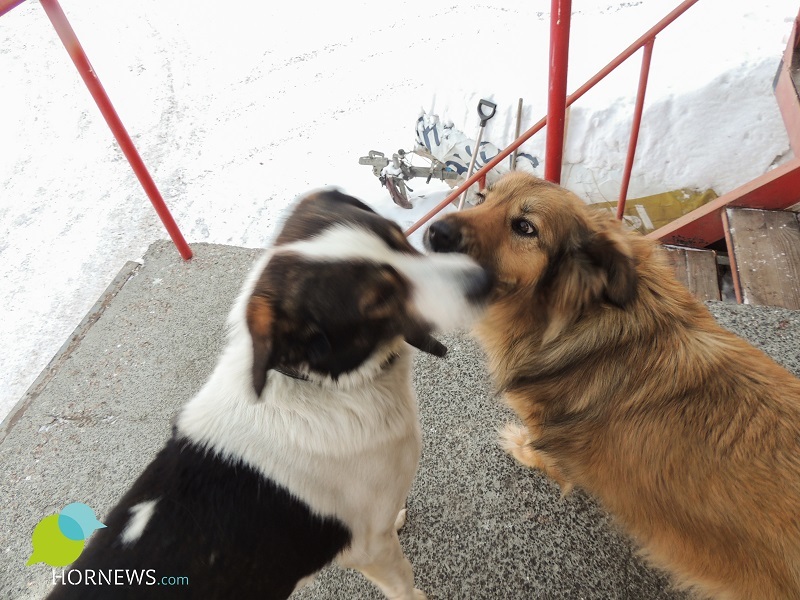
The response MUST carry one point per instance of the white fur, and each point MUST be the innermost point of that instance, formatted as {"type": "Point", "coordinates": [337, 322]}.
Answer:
{"type": "Point", "coordinates": [140, 516]}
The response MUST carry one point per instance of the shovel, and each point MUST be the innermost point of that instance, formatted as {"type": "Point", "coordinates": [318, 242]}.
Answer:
{"type": "Point", "coordinates": [486, 111]}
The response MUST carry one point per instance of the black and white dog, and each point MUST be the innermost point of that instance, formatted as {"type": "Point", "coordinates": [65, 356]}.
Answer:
{"type": "Point", "coordinates": [303, 444]}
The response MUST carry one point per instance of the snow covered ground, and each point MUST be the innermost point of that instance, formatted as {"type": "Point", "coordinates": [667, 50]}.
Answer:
{"type": "Point", "coordinates": [237, 111]}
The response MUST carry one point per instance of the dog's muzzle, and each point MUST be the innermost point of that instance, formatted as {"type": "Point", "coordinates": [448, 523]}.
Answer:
{"type": "Point", "coordinates": [442, 236]}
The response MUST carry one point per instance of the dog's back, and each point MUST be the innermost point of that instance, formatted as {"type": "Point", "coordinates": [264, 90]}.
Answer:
{"type": "Point", "coordinates": [691, 438]}
{"type": "Point", "coordinates": [208, 524]}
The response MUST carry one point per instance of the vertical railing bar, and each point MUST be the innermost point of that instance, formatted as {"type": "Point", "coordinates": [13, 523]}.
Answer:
{"type": "Point", "coordinates": [647, 55]}
{"type": "Point", "coordinates": [560, 14]}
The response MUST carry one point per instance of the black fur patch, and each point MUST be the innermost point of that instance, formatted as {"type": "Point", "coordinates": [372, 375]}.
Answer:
{"type": "Point", "coordinates": [231, 531]}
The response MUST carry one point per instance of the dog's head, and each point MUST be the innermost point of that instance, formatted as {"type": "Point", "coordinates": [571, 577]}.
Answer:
{"type": "Point", "coordinates": [538, 238]}
{"type": "Point", "coordinates": [342, 288]}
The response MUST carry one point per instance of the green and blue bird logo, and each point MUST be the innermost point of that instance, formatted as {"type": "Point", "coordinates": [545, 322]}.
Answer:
{"type": "Point", "coordinates": [58, 540]}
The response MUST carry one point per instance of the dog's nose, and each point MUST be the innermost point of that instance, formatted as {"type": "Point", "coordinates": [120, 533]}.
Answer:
{"type": "Point", "coordinates": [443, 237]}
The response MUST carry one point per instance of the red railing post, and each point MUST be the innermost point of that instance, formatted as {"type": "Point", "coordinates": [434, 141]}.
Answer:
{"type": "Point", "coordinates": [560, 14]}
{"type": "Point", "coordinates": [637, 121]}
{"type": "Point", "coordinates": [78, 56]}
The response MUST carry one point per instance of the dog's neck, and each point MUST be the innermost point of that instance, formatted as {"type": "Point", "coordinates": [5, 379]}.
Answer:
{"type": "Point", "coordinates": [298, 428]}
{"type": "Point", "coordinates": [289, 372]}
{"type": "Point", "coordinates": [227, 409]}
{"type": "Point", "coordinates": [304, 376]}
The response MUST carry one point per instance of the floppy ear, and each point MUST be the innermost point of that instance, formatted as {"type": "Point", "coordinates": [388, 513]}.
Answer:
{"type": "Point", "coordinates": [386, 291]}
{"type": "Point", "coordinates": [423, 340]}
{"type": "Point", "coordinates": [610, 254]}
{"type": "Point", "coordinates": [259, 322]}
{"type": "Point", "coordinates": [598, 267]}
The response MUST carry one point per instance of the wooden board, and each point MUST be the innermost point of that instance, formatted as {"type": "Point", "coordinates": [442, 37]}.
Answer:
{"type": "Point", "coordinates": [697, 270]}
{"type": "Point", "coordinates": [764, 247]}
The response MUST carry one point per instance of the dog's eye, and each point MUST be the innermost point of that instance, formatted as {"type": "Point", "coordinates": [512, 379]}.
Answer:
{"type": "Point", "coordinates": [524, 227]}
{"type": "Point", "coordinates": [481, 196]}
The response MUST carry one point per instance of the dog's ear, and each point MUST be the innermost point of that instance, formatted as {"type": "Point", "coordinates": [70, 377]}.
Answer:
{"type": "Point", "coordinates": [386, 290]}
{"type": "Point", "coordinates": [596, 266]}
{"type": "Point", "coordinates": [610, 254]}
{"type": "Point", "coordinates": [260, 321]}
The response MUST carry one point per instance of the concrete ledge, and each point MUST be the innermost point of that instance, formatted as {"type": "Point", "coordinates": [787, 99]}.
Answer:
{"type": "Point", "coordinates": [67, 347]}
{"type": "Point", "coordinates": [479, 526]}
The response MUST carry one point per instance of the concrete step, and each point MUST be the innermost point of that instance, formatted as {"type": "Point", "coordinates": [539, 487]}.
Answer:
{"type": "Point", "coordinates": [479, 526]}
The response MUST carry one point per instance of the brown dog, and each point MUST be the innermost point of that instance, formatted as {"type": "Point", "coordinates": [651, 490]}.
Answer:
{"type": "Point", "coordinates": [629, 389]}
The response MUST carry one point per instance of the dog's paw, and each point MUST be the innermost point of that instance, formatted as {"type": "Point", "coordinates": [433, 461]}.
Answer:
{"type": "Point", "coordinates": [516, 440]}
{"type": "Point", "coordinates": [419, 595]}
{"type": "Point", "coordinates": [400, 520]}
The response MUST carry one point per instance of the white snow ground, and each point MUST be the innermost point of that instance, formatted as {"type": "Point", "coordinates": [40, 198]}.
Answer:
{"type": "Point", "coordinates": [238, 110]}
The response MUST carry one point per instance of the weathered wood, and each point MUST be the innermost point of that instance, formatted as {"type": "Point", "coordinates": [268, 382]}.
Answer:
{"type": "Point", "coordinates": [697, 270]}
{"type": "Point", "coordinates": [764, 246]}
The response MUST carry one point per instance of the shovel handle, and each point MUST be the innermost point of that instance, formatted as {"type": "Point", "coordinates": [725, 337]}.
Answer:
{"type": "Point", "coordinates": [490, 108]}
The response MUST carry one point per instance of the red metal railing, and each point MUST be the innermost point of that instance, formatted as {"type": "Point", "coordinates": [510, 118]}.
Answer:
{"type": "Point", "coordinates": [647, 39]}
{"type": "Point", "coordinates": [647, 54]}
{"type": "Point", "coordinates": [560, 16]}
{"type": "Point", "coordinates": [7, 5]}
{"type": "Point", "coordinates": [78, 56]}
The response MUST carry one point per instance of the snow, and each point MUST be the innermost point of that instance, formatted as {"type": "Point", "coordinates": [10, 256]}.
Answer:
{"type": "Point", "coordinates": [236, 112]}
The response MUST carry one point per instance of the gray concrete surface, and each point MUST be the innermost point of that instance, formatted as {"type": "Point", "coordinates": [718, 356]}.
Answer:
{"type": "Point", "coordinates": [479, 526]}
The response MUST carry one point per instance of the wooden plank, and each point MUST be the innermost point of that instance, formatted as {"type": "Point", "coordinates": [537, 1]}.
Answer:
{"type": "Point", "coordinates": [765, 249]}
{"type": "Point", "coordinates": [775, 189]}
{"type": "Point", "coordinates": [697, 270]}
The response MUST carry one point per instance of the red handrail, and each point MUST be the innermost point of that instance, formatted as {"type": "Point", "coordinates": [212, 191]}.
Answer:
{"type": "Point", "coordinates": [7, 5]}
{"type": "Point", "coordinates": [78, 56]}
{"type": "Point", "coordinates": [649, 35]}
{"type": "Point", "coordinates": [75, 50]}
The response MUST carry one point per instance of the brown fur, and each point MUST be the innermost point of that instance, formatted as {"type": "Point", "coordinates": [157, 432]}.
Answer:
{"type": "Point", "coordinates": [629, 389]}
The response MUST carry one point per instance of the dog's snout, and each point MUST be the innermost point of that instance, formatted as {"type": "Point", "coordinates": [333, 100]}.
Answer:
{"type": "Point", "coordinates": [442, 236]}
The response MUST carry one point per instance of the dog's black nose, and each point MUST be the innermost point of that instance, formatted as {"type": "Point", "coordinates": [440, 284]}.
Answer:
{"type": "Point", "coordinates": [443, 237]}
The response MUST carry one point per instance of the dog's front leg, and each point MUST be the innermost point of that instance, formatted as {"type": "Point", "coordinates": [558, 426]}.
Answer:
{"type": "Point", "coordinates": [381, 560]}
{"type": "Point", "coordinates": [518, 442]}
